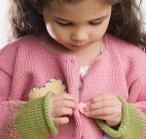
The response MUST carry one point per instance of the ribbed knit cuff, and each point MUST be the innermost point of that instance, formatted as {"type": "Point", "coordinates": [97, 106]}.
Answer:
{"type": "Point", "coordinates": [34, 120]}
{"type": "Point", "coordinates": [132, 124]}
{"type": "Point", "coordinates": [52, 128]}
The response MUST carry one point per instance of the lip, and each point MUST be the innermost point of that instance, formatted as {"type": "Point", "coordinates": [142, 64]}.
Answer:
{"type": "Point", "coordinates": [78, 46]}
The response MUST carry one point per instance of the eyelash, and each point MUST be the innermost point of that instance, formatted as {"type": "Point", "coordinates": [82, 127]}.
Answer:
{"type": "Point", "coordinates": [63, 24]}
{"type": "Point", "coordinates": [69, 24]}
{"type": "Point", "coordinates": [96, 24]}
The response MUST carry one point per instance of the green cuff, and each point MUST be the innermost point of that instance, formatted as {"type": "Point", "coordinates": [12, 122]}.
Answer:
{"type": "Point", "coordinates": [34, 120]}
{"type": "Point", "coordinates": [132, 124]}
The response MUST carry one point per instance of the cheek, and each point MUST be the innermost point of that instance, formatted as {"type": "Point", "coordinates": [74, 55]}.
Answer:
{"type": "Point", "coordinates": [98, 33]}
{"type": "Point", "coordinates": [101, 30]}
{"type": "Point", "coordinates": [52, 30]}
{"type": "Point", "coordinates": [57, 33]}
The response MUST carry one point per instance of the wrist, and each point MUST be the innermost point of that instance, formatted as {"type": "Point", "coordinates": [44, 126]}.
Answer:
{"type": "Point", "coordinates": [114, 124]}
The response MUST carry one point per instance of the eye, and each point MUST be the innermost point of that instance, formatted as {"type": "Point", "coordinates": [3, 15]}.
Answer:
{"type": "Point", "coordinates": [64, 23]}
{"type": "Point", "coordinates": [95, 23]}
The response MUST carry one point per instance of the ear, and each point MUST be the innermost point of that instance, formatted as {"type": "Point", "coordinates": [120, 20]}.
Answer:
{"type": "Point", "coordinates": [36, 5]}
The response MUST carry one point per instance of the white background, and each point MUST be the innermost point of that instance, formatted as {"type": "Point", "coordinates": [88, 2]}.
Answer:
{"type": "Point", "coordinates": [4, 23]}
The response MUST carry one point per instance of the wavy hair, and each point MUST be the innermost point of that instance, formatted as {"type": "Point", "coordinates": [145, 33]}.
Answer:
{"type": "Point", "coordinates": [125, 23]}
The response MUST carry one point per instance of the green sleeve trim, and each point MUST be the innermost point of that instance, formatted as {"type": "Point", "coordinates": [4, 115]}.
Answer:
{"type": "Point", "coordinates": [132, 124]}
{"type": "Point", "coordinates": [34, 120]}
{"type": "Point", "coordinates": [52, 128]}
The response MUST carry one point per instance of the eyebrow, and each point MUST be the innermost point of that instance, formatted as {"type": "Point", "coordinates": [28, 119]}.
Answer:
{"type": "Point", "coordinates": [92, 20]}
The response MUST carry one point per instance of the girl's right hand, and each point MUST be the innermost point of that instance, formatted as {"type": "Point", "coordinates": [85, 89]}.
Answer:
{"type": "Point", "coordinates": [61, 106]}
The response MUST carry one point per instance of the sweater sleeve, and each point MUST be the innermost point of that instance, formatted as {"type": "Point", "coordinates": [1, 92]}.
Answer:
{"type": "Point", "coordinates": [133, 124]}
{"type": "Point", "coordinates": [23, 120]}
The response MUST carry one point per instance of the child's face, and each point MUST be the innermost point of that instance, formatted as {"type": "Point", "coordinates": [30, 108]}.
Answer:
{"type": "Point", "coordinates": [77, 25]}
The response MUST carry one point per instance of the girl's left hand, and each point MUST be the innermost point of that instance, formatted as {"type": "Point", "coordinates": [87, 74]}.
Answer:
{"type": "Point", "coordinates": [105, 107]}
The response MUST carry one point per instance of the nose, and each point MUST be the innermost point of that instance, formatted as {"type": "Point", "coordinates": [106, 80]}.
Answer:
{"type": "Point", "coordinates": [80, 35]}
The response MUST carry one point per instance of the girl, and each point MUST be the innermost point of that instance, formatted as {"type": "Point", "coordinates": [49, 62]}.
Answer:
{"type": "Point", "coordinates": [75, 71]}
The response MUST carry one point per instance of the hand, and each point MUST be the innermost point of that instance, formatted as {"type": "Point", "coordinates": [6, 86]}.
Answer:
{"type": "Point", "coordinates": [105, 107]}
{"type": "Point", "coordinates": [62, 106]}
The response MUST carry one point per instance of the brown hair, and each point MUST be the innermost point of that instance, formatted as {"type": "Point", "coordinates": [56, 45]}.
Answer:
{"type": "Point", "coordinates": [125, 22]}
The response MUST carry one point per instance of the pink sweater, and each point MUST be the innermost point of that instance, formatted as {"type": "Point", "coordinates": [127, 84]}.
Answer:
{"type": "Point", "coordinates": [26, 64]}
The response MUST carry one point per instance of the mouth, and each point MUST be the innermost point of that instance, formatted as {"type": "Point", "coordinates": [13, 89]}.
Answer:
{"type": "Point", "coordinates": [78, 45]}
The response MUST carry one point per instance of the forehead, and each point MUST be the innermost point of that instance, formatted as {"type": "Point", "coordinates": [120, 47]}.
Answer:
{"type": "Point", "coordinates": [79, 10]}
{"type": "Point", "coordinates": [53, 2]}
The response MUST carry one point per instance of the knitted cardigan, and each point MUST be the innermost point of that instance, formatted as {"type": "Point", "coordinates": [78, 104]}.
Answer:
{"type": "Point", "coordinates": [30, 75]}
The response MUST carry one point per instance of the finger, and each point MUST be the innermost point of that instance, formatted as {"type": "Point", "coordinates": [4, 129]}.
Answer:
{"type": "Point", "coordinates": [111, 120]}
{"type": "Point", "coordinates": [61, 120]}
{"type": "Point", "coordinates": [102, 104]}
{"type": "Point", "coordinates": [104, 117]}
{"type": "Point", "coordinates": [104, 111]}
{"type": "Point", "coordinates": [64, 103]}
{"type": "Point", "coordinates": [61, 112]}
{"type": "Point", "coordinates": [101, 97]}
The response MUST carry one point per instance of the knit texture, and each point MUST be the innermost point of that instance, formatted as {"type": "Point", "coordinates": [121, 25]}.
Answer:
{"type": "Point", "coordinates": [37, 123]}
{"type": "Point", "coordinates": [30, 74]}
